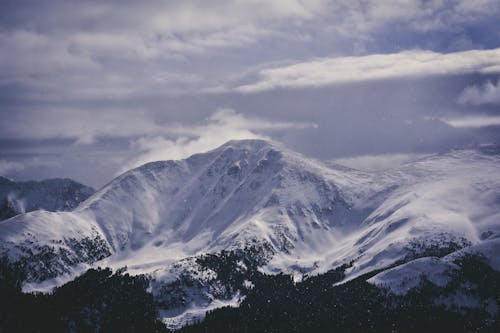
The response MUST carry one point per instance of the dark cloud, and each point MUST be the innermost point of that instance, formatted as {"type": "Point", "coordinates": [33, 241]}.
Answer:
{"type": "Point", "coordinates": [88, 87]}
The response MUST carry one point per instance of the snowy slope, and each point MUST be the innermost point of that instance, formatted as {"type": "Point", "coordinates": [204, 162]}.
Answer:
{"type": "Point", "coordinates": [241, 191]}
{"type": "Point", "coordinates": [447, 199]}
{"type": "Point", "coordinates": [165, 211]}
{"type": "Point", "coordinates": [305, 216]}
{"type": "Point", "coordinates": [50, 194]}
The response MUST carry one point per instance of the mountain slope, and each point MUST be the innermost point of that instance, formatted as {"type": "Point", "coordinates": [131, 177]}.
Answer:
{"type": "Point", "coordinates": [219, 199]}
{"type": "Point", "coordinates": [50, 194]}
{"type": "Point", "coordinates": [279, 210]}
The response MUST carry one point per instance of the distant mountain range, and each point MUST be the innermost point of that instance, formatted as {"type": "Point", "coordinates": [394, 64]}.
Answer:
{"type": "Point", "coordinates": [200, 229]}
{"type": "Point", "coordinates": [51, 195]}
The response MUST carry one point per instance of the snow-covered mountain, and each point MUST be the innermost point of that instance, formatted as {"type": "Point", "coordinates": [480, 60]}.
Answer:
{"type": "Point", "coordinates": [50, 194]}
{"type": "Point", "coordinates": [291, 213]}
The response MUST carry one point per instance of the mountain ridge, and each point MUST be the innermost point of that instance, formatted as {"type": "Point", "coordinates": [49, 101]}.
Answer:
{"type": "Point", "coordinates": [294, 214]}
{"type": "Point", "coordinates": [56, 194]}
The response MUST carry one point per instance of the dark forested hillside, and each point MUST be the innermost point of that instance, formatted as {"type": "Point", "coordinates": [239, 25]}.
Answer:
{"type": "Point", "coordinates": [97, 301]}
{"type": "Point", "coordinates": [276, 304]}
{"type": "Point", "coordinates": [103, 301]}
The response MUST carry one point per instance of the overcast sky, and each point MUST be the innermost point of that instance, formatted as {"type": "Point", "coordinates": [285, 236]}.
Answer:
{"type": "Point", "coordinates": [89, 89]}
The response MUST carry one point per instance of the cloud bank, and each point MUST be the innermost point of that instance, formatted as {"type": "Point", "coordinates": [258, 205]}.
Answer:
{"type": "Point", "coordinates": [377, 162]}
{"type": "Point", "coordinates": [110, 83]}
{"type": "Point", "coordinates": [101, 50]}
{"type": "Point", "coordinates": [327, 71]}
{"type": "Point", "coordinates": [473, 121]}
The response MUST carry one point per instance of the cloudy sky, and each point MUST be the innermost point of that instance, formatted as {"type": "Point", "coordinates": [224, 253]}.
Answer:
{"type": "Point", "coordinates": [89, 89]}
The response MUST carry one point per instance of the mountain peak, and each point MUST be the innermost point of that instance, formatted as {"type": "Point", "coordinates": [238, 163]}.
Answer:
{"type": "Point", "coordinates": [231, 150]}
{"type": "Point", "coordinates": [249, 144]}
{"type": "Point", "coordinates": [234, 149]}
{"type": "Point", "coordinates": [201, 194]}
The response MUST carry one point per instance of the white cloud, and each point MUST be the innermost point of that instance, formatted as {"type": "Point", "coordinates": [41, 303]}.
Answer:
{"type": "Point", "coordinates": [326, 71]}
{"type": "Point", "coordinates": [139, 30]}
{"type": "Point", "coordinates": [473, 121]}
{"type": "Point", "coordinates": [82, 125]}
{"type": "Point", "coordinates": [189, 16]}
{"type": "Point", "coordinates": [150, 45]}
{"type": "Point", "coordinates": [9, 166]}
{"type": "Point", "coordinates": [89, 50]}
{"type": "Point", "coordinates": [222, 126]}
{"type": "Point", "coordinates": [26, 53]}
{"type": "Point", "coordinates": [96, 50]}
{"type": "Point", "coordinates": [85, 126]}
{"type": "Point", "coordinates": [487, 93]}
{"type": "Point", "coordinates": [377, 162]}
{"type": "Point", "coordinates": [362, 19]}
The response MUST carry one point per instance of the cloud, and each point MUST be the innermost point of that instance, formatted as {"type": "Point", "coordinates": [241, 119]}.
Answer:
{"type": "Point", "coordinates": [486, 93]}
{"type": "Point", "coordinates": [99, 50]}
{"type": "Point", "coordinates": [183, 17]}
{"type": "Point", "coordinates": [88, 126]}
{"type": "Point", "coordinates": [27, 53]}
{"type": "Point", "coordinates": [82, 125]}
{"type": "Point", "coordinates": [327, 71]}
{"type": "Point", "coordinates": [377, 162]}
{"type": "Point", "coordinates": [222, 126]}
{"type": "Point", "coordinates": [156, 29]}
{"type": "Point", "coordinates": [473, 121]}
{"type": "Point", "coordinates": [9, 166]}
{"type": "Point", "coordinates": [366, 21]}
{"type": "Point", "coordinates": [103, 73]}
{"type": "Point", "coordinates": [12, 167]}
